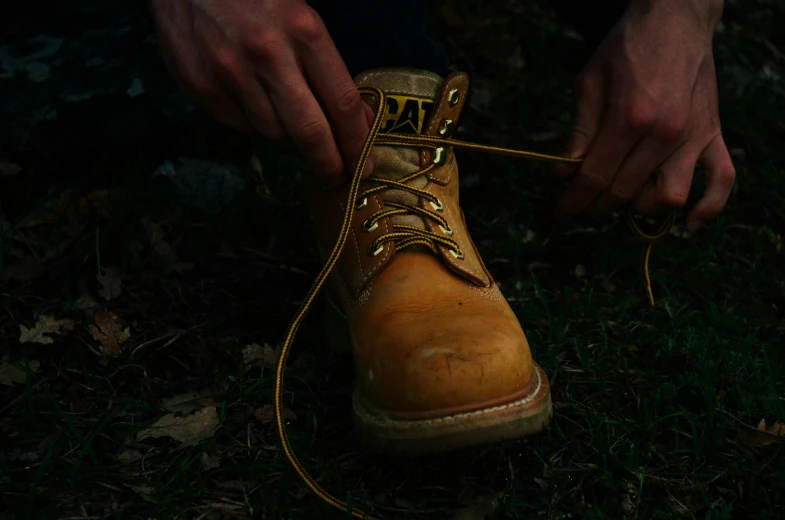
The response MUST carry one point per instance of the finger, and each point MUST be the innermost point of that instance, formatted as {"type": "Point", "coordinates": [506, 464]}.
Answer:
{"type": "Point", "coordinates": [237, 77]}
{"type": "Point", "coordinates": [338, 96]}
{"type": "Point", "coordinates": [590, 106]}
{"type": "Point", "coordinates": [225, 110]}
{"type": "Point", "coordinates": [607, 152]}
{"type": "Point", "coordinates": [652, 151]}
{"type": "Point", "coordinates": [721, 175]}
{"type": "Point", "coordinates": [672, 186]}
{"type": "Point", "coordinates": [299, 112]}
{"type": "Point", "coordinates": [193, 78]}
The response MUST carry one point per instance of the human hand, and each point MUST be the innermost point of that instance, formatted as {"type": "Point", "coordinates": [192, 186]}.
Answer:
{"type": "Point", "coordinates": [647, 101]}
{"type": "Point", "coordinates": [269, 66]}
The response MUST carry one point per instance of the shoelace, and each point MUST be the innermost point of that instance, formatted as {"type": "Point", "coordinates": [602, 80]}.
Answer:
{"type": "Point", "coordinates": [403, 236]}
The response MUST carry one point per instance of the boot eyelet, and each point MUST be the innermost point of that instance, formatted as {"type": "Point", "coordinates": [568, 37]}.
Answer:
{"type": "Point", "coordinates": [453, 97]}
{"type": "Point", "coordinates": [439, 156]}
{"type": "Point", "coordinates": [458, 255]}
{"type": "Point", "coordinates": [438, 206]}
{"type": "Point", "coordinates": [368, 226]}
{"type": "Point", "coordinates": [446, 230]}
{"type": "Point", "coordinates": [447, 127]}
{"type": "Point", "coordinates": [373, 252]}
{"type": "Point", "coordinates": [361, 203]}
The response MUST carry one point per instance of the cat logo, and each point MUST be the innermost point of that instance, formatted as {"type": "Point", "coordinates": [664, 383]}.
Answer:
{"type": "Point", "coordinates": [406, 115]}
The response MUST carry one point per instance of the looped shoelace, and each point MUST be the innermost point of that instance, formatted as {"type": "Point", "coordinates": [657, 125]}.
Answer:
{"type": "Point", "coordinates": [403, 236]}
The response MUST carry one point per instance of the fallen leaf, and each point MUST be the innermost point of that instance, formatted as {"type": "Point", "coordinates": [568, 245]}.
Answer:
{"type": "Point", "coordinates": [762, 436]}
{"type": "Point", "coordinates": [266, 414]}
{"type": "Point", "coordinates": [188, 430]}
{"type": "Point", "coordinates": [146, 492]}
{"type": "Point", "coordinates": [189, 401]}
{"type": "Point", "coordinates": [234, 485]}
{"type": "Point", "coordinates": [17, 454]}
{"type": "Point", "coordinates": [110, 331]}
{"type": "Point", "coordinates": [210, 461]}
{"type": "Point", "coordinates": [450, 15]}
{"type": "Point", "coordinates": [255, 355]}
{"type": "Point", "coordinates": [515, 60]}
{"type": "Point", "coordinates": [46, 324]}
{"type": "Point", "coordinates": [27, 269]}
{"type": "Point", "coordinates": [11, 373]}
{"type": "Point", "coordinates": [110, 283]}
{"type": "Point", "coordinates": [129, 456]}
{"type": "Point", "coordinates": [607, 285]}
{"type": "Point", "coordinates": [627, 506]}
{"type": "Point", "coordinates": [484, 506]}
{"type": "Point", "coordinates": [9, 168]}
{"type": "Point", "coordinates": [162, 248]}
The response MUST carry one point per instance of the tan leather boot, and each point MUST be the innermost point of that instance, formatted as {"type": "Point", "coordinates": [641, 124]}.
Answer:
{"type": "Point", "coordinates": [442, 362]}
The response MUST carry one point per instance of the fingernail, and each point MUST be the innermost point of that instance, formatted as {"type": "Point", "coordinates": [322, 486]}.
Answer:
{"type": "Point", "coordinates": [695, 225]}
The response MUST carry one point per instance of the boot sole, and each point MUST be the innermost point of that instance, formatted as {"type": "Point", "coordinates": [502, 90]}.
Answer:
{"type": "Point", "coordinates": [521, 418]}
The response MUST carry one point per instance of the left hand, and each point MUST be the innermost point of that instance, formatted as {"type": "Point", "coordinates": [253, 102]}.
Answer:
{"type": "Point", "coordinates": [647, 101]}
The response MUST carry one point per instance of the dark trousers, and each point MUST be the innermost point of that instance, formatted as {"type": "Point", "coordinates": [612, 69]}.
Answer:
{"type": "Point", "coordinates": [378, 33]}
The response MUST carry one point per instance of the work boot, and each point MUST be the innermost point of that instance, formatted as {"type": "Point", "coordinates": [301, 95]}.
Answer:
{"type": "Point", "coordinates": [441, 360]}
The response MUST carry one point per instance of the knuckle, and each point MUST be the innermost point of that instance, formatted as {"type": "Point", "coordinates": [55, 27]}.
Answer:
{"type": "Point", "coordinates": [621, 193]}
{"type": "Point", "coordinates": [264, 47]}
{"type": "Point", "coordinates": [594, 180]}
{"type": "Point", "coordinates": [640, 116]}
{"type": "Point", "coordinates": [671, 128]}
{"type": "Point", "coordinates": [306, 26]}
{"type": "Point", "coordinates": [727, 175]}
{"type": "Point", "coordinates": [226, 62]}
{"type": "Point", "coordinates": [311, 132]}
{"type": "Point", "coordinates": [204, 90]}
{"type": "Point", "coordinates": [674, 199]}
{"type": "Point", "coordinates": [349, 100]}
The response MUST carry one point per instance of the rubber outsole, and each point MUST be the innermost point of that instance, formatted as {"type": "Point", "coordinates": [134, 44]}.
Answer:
{"type": "Point", "coordinates": [517, 419]}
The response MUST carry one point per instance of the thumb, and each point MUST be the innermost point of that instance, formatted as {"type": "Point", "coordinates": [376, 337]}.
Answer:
{"type": "Point", "coordinates": [590, 106]}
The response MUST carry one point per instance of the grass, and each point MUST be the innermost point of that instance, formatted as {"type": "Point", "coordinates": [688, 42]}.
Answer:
{"type": "Point", "coordinates": [656, 408]}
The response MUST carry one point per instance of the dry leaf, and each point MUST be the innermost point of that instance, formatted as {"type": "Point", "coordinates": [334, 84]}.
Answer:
{"type": "Point", "coordinates": [257, 356]}
{"type": "Point", "coordinates": [111, 331]}
{"type": "Point", "coordinates": [11, 373]}
{"type": "Point", "coordinates": [484, 506]}
{"type": "Point", "coordinates": [9, 168]}
{"type": "Point", "coordinates": [515, 61]}
{"type": "Point", "coordinates": [162, 248]}
{"type": "Point", "coordinates": [189, 401]}
{"type": "Point", "coordinates": [189, 430]}
{"type": "Point", "coordinates": [762, 436]}
{"type": "Point", "coordinates": [451, 16]}
{"type": "Point", "coordinates": [210, 461]}
{"type": "Point", "coordinates": [27, 269]}
{"type": "Point", "coordinates": [145, 492]}
{"type": "Point", "coordinates": [110, 284]}
{"type": "Point", "coordinates": [266, 414]}
{"type": "Point", "coordinates": [129, 456]}
{"type": "Point", "coordinates": [46, 324]}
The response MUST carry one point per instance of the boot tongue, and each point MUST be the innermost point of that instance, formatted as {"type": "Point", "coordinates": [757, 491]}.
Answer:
{"type": "Point", "coordinates": [410, 97]}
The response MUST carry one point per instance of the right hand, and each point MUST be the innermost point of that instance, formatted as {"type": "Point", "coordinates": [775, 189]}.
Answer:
{"type": "Point", "coordinates": [269, 66]}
